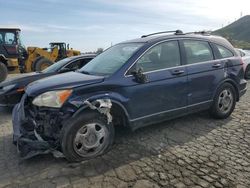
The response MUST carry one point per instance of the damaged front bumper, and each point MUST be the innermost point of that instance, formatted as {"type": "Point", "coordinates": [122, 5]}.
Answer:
{"type": "Point", "coordinates": [25, 136]}
{"type": "Point", "coordinates": [37, 131]}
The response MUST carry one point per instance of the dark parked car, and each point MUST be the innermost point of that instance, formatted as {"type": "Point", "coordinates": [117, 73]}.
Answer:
{"type": "Point", "coordinates": [134, 84]}
{"type": "Point", "coordinates": [12, 90]}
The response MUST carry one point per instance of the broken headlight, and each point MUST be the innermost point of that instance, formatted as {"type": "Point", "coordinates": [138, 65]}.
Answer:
{"type": "Point", "coordinates": [53, 99]}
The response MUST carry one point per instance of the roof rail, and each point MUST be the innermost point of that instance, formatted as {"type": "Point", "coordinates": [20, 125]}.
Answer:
{"type": "Point", "coordinates": [176, 32]}
{"type": "Point", "coordinates": [200, 32]}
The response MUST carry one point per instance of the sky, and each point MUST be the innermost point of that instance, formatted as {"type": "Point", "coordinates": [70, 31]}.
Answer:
{"type": "Point", "coordinates": [90, 24]}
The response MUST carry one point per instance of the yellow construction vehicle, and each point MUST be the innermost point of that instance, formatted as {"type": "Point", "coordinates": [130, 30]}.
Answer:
{"type": "Point", "coordinates": [9, 51]}
{"type": "Point", "coordinates": [15, 58]}
{"type": "Point", "coordinates": [40, 58]}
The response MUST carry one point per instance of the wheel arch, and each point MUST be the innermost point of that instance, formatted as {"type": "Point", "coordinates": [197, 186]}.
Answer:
{"type": "Point", "coordinates": [117, 109]}
{"type": "Point", "coordinates": [233, 83]}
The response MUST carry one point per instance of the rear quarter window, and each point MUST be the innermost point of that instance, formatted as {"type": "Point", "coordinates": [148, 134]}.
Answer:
{"type": "Point", "coordinates": [224, 52]}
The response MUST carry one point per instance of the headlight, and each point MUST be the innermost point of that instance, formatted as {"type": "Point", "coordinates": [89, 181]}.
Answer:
{"type": "Point", "coordinates": [9, 87]}
{"type": "Point", "coordinates": [52, 98]}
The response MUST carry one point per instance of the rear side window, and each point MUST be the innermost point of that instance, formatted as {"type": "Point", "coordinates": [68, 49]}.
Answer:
{"type": "Point", "coordinates": [197, 51]}
{"type": "Point", "coordinates": [224, 52]}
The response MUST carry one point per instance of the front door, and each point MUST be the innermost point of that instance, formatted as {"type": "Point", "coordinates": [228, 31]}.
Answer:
{"type": "Point", "coordinates": [166, 88]}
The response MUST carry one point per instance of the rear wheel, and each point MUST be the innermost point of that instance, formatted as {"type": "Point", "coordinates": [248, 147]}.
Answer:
{"type": "Point", "coordinates": [224, 101]}
{"type": "Point", "coordinates": [3, 72]}
{"type": "Point", "coordinates": [247, 72]}
{"type": "Point", "coordinates": [86, 137]}
{"type": "Point", "coordinates": [42, 64]}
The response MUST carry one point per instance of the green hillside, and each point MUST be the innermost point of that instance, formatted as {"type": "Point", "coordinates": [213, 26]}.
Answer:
{"type": "Point", "coordinates": [238, 32]}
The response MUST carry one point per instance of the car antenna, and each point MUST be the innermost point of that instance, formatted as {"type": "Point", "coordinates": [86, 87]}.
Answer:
{"type": "Point", "coordinates": [176, 32]}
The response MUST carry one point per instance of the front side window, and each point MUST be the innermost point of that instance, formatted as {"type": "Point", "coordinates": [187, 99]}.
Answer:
{"type": "Point", "coordinates": [108, 62]}
{"type": "Point", "coordinates": [224, 52]}
{"type": "Point", "coordinates": [197, 51]}
{"type": "Point", "coordinates": [58, 65]}
{"type": "Point", "coordinates": [74, 65]}
{"type": "Point", "coordinates": [78, 64]}
{"type": "Point", "coordinates": [161, 56]}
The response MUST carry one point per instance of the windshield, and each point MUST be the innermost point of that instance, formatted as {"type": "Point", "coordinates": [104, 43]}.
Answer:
{"type": "Point", "coordinates": [56, 66]}
{"type": "Point", "coordinates": [111, 60]}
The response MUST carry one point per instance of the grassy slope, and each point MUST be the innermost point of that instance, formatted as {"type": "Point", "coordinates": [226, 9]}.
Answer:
{"type": "Point", "coordinates": [238, 32]}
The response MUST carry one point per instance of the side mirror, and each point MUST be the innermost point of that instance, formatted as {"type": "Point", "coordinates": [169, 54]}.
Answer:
{"type": "Point", "coordinates": [139, 76]}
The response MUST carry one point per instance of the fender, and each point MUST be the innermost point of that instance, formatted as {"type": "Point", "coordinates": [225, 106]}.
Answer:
{"type": "Point", "coordinates": [115, 98]}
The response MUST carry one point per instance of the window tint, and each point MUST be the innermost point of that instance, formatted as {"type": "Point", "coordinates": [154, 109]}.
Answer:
{"type": "Point", "coordinates": [164, 55]}
{"type": "Point", "coordinates": [224, 52]}
{"type": "Point", "coordinates": [197, 51]}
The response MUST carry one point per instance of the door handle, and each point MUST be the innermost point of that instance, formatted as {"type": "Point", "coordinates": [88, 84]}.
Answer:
{"type": "Point", "coordinates": [178, 72]}
{"type": "Point", "coordinates": [217, 65]}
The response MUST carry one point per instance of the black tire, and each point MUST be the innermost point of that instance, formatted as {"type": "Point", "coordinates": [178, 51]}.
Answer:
{"type": "Point", "coordinates": [71, 149]}
{"type": "Point", "coordinates": [220, 109]}
{"type": "Point", "coordinates": [33, 66]}
{"type": "Point", "coordinates": [42, 64]}
{"type": "Point", "coordinates": [3, 72]}
{"type": "Point", "coordinates": [247, 72]}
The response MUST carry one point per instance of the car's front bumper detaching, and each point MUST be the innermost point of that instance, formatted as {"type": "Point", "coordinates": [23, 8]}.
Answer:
{"type": "Point", "coordinates": [29, 142]}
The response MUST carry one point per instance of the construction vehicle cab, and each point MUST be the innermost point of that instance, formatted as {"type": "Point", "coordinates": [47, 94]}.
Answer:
{"type": "Point", "coordinates": [61, 46]}
{"type": "Point", "coordinates": [12, 52]}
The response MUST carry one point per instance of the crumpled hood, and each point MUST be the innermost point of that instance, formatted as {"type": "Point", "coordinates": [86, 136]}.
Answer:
{"type": "Point", "coordinates": [61, 81]}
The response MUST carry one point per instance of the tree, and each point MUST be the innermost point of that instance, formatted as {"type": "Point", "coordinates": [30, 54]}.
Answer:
{"type": "Point", "coordinates": [99, 50]}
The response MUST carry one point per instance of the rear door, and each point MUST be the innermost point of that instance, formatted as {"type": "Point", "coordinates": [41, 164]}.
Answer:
{"type": "Point", "coordinates": [204, 71]}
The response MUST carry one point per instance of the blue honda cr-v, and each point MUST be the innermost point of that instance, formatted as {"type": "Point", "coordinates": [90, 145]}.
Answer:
{"type": "Point", "coordinates": [134, 83]}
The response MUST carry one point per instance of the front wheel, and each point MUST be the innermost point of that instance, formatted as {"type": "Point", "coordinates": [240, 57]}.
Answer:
{"type": "Point", "coordinates": [224, 101]}
{"type": "Point", "coordinates": [86, 137]}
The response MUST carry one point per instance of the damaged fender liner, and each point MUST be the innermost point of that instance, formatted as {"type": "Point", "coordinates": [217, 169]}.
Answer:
{"type": "Point", "coordinates": [30, 143]}
{"type": "Point", "coordinates": [101, 105]}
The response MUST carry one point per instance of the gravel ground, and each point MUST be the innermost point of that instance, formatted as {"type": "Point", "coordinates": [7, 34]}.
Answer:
{"type": "Point", "coordinates": [193, 151]}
